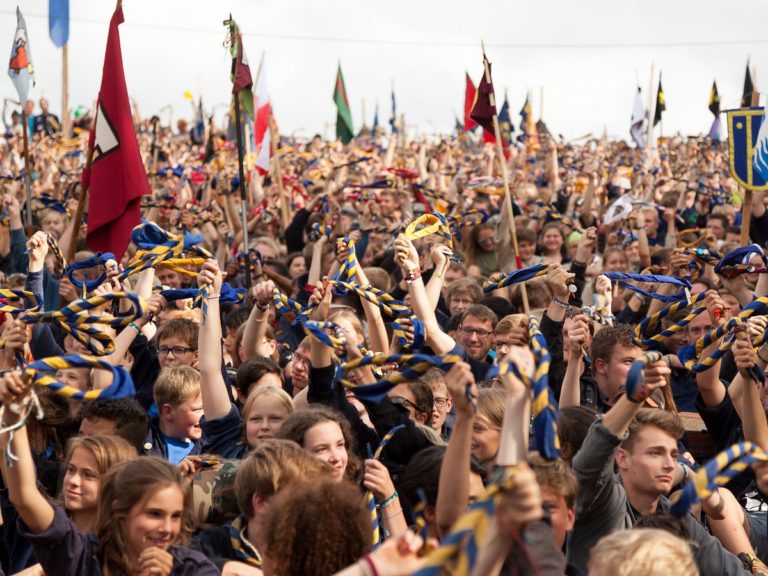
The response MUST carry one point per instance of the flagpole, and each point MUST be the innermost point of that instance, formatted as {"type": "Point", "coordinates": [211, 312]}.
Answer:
{"type": "Point", "coordinates": [505, 179]}
{"type": "Point", "coordinates": [155, 150]}
{"type": "Point", "coordinates": [651, 111]}
{"type": "Point", "coordinates": [27, 177]}
{"type": "Point", "coordinates": [278, 173]}
{"type": "Point", "coordinates": [243, 201]}
{"type": "Point", "coordinates": [78, 217]}
{"type": "Point", "coordinates": [65, 90]}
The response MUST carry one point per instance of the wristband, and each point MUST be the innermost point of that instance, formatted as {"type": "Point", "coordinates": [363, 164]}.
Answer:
{"type": "Point", "coordinates": [685, 473]}
{"type": "Point", "coordinates": [388, 501]}
{"type": "Point", "coordinates": [213, 297]}
{"type": "Point", "coordinates": [261, 306]}
{"type": "Point", "coordinates": [371, 566]}
{"type": "Point", "coordinates": [412, 275]}
{"type": "Point", "coordinates": [135, 327]}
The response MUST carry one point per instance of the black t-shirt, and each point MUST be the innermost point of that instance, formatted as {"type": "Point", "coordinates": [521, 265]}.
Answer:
{"type": "Point", "coordinates": [758, 230]}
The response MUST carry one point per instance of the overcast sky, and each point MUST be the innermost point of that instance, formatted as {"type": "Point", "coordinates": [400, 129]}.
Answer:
{"type": "Point", "coordinates": [587, 55]}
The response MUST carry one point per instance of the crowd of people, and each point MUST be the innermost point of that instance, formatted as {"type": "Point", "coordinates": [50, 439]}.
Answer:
{"type": "Point", "coordinates": [277, 424]}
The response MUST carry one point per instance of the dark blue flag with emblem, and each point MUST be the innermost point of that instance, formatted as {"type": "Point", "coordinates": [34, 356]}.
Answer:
{"type": "Point", "coordinates": [746, 150]}
{"type": "Point", "coordinates": [661, 103]}
{"type": "Point", "coordinates": [505, 122]}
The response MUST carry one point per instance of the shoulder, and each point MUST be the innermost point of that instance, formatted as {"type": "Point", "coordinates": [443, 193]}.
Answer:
{"type": "Point", "coordinates": [188, 561]}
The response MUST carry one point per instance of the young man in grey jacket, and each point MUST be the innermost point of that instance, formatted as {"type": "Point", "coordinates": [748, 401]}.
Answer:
{"type": "Point", "coordinates": [643, 443]}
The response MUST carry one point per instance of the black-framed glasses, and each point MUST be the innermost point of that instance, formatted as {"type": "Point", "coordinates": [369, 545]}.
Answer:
{"type": "Point", "coordinates": [402, 401]}
{"type": "Point", "coordinates": [177, 350]}
{"type": "Point", "coordinates": [440, 401]}
{"type": "Point", "coordinates": [481, 333]}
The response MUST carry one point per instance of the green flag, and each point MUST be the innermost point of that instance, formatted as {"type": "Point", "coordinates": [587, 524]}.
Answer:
{"type": "Point", "coordinates": [242, 82]}
{"type": "Point", "coordinates": [344, 131]}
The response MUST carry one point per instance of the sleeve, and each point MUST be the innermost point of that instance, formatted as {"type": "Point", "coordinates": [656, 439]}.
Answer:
{"type": "Point", "coordinates": [18, 256]}
{"type": "Point", "coordinates": [34, 284]}
{"type": "Point", "coordinates": [187, 562]}
{"type": "Point", "coordinates": [593, 466]}
{"type": "Point", "coordinates": [553, 334]}
{"type": "Point", "coordinates": [758, 229]}
{"type": "Point", "coordinates": [221, 436]}
{"type": "Point", "coordinates": [580, 279]}
{"type": "Point", "coordinates": [61, 549]}
{"type": "Point", "coordinates": [144, 370]}
{"type": "Point", "coordinates": [722, 421]}
{"type": "Point", "coordinates": [709, 554]}
{"type": "Point", "coordinates": [43, 344]}
{"type": "Point", "coordinates": [294, 234]}
{"type": "Point", "coordinates": [385, 416]}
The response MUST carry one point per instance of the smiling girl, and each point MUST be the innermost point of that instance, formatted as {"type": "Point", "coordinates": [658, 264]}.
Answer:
{"type": "Point", "coordinates": [143, 512]}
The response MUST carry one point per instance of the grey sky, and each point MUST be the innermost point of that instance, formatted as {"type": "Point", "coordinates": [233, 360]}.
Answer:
{"type": "Point", "coordinates": [587, 55]}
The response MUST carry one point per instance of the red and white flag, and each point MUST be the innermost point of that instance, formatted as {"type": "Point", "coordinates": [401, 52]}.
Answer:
{"type": "Point", "coordinates": [117, 177]}
{"type": "Point", "coordinates": [263, 112]}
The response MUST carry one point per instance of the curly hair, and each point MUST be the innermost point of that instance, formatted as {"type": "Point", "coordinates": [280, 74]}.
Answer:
{"type": "Point", "coordinates": [299, 423]}
{"type": "Point", "coordinates": [317, 529]}
{"type": "Point", "coordinates": [122, 487]}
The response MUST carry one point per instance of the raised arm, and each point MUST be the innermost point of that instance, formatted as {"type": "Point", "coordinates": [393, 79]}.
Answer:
{"type": "Point", "coordinates": [216, 403]}
{"type": "Point", "coordinates": [256, 325]}
{"type": "Point", "coordinates": [579, 339]}
{"type": "Point", "coordinates": [617, 421]}
{"type": "Point", "coordinates": [19, 474]}
{"type": "Point", "coordinates": [408, 258]}
{"type": "Point", "coordinates": [711, 388]}
{"type": "Point", "coordinates": [753, 414]}
{"type": "Point", "coordinates": [440, 254]}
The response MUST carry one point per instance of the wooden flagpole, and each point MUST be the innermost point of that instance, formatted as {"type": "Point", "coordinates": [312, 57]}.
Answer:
{"type": "Point", "coordinates": [65, 124]}
{"type": "Point", "coordinates": [27, 176]}
{"type": "Point", "coordinates": [243, 198]}
{"type": "Point", "coordinates": [505, 178]}
{"type": "Point", "coordinates": [78, 217]}
{"type": "Point", "coordinates": [277, 173]}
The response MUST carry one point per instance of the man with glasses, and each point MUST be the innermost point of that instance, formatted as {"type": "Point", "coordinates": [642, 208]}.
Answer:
{"type": "Point", "coordinates": [177, 343]}
{"type": "Point", "coordinates": [475, 331]}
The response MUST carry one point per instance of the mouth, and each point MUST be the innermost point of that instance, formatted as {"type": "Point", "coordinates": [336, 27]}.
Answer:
{"type": "Point", "coordinates": [71, 494]}
{"type": "Point", "coordinates": [158, 542]}
{"type": "Point", "coordinates": [665, 478]}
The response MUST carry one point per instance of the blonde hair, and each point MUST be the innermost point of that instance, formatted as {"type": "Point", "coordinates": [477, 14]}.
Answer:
{"type": "Point", "coordinates": [490, 405]}
{"type": "Point", "coordinates": [509, 323]}
{"type": "Point", "coordinates": [176, 385]}
{"type": "Point", "coordinates": [269, 391]}
{"type": "Point", "coordinates": [641, 552]}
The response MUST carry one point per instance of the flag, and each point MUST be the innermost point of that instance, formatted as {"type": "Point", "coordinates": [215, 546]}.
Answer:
{"type": "Point", "coordinates": [242, 81]}
{"type": "Point", "coordinates": [457, 126]}
{"type": "Point", "coordinates": [746, 97]}
{"type": "Point", "coordinates": [58, 21]}
{"type": "Point", "coordinates": [660, 103]}
{"type": "Point", "coordinates": [714, 130]}
{"type": "Point", "coordinates": [375, 121]}
{"type": "Point", "coordinates": [637, 127]}
{"type": "Point", "coordinates": [714, 100]}
{"type": "Point", "coordinates": [261, 136]}
{"type": "Point", "coordinates": [344, 131]}
{"type": "Point", "coordinates": [20, 68]}
{"type": "Point", "coordinates": [470, 95]}
{"type": "Point", "coordinates": [117, 177]}
{"type": "Point", "coordinates": [393, 119]}
{"type": "Point", "coordinates": [760, 157]}
{"type": "Point", "coordinates": [485, 101]}
{"type": "Point", "coordinates": [210, 147]}
{"type": "Point", "coordinates": [528, 127]}
{"type": "Point", "coordinates": [198, 131]}
{"type": "Point", "coordinates": [505, 122]}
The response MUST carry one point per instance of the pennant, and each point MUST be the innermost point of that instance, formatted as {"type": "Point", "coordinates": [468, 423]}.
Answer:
{"type": "Point", "coordinates": [242, 81]}
{"type": "Point", "coordinates": [661, 102]}
{"type": "Point", "coordinates": [714, 100]}
{"type": "Point", "coordinates": [470, 95]}
{"type": "Point", "coordinates": [637, 128]}
{"type": "Point", "coordinates": [20, 68]}
{"type": "Point", "coordinates": [58, 21]}
{"type": "Point", "coordinates": [393, 119]}
{"type": "Point", "coordinates": [485, 102]}
{"type": "Point", "coordinates": [261, 135]}
{"type": "Point", "coordinates": [117, 177]}
{"type": "Point", "coordinates": [344, 130]}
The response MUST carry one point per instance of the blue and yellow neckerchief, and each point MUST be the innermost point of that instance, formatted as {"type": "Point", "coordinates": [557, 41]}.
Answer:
{"type": "Point", "coordinates": [502, 280]}
{"type": "Point", "coordinates": [623, 279]}
{"type": "Point", "coordinates": [244, 551]}
{"type": "Point", "coordinates": [551, 212]}
{"type": "Point", "coordinates": [100, 258]}
{"type": "Point", "coordinates": [369, 497]}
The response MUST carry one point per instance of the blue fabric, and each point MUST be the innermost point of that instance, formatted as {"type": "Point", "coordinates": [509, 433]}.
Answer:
{"type": "Point", "coordinates": [176, 449]}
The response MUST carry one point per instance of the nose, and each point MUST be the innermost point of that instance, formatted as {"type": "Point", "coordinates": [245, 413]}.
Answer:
{"type": "Point", "coordinates": [74, 480]}
{"type": "Point", "coordinates": [165, 526]}
{"type": "Point", "coordinates": [503, 349]}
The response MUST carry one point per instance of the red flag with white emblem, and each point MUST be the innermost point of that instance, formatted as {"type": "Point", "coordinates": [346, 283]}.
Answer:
{"type": "Point", "coordinates": [117, 176]}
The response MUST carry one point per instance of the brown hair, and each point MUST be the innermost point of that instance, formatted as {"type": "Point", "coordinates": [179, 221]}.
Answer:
{"type": "Point", "coordinates": [482, 313]}
{"type": "Point", "coordinates": [125, 485]}
{"type": "Point", "coordinates": [270, 467]}
{"type": "Point", "coordinates": [491, 403]}
{"type": "Point", "coordinates": [509, 323]}
{"type": "Point", "coordinates": [464, 286]}
{"type": "Point", "coordinates": [378, 278]}
{"type": "Point", "coordinates": [667, 422]}
{"type": "Point", "coordinates": [316, 529]}
{"type": "Point", "coordinates": [555, 474]}
{"type": "Point", "coordinates": [182, 328]}
{"type": "Point", "coordinates": [607, 340]}
{"type": "Point", "coordinates": [298, 424]}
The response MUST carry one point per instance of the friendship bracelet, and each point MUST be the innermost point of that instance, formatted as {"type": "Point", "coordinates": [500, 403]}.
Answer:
{"type": "Point", "coordinates": [389, 500]}
{"type": "Point", "coordinates": [371, 566]}
{"type": "Point", "coordinates": [209, 297]}
{"type": "Point", "coordinates": [135, 327]}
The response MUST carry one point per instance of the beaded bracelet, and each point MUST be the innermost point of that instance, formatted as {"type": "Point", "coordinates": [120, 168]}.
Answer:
{"type": "Point", "coordinates": [388, 500]}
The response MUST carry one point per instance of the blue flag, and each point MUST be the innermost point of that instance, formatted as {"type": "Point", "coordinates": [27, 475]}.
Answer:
{"type": "Point", "coordinates": [393, 119]}
{"type": "Point", "coordinates": [58, 21]}
{"type": "Point", "coordinates": [20, 68]}
{"type": "Point", "coordinates": [375, 121]}
{"type": "Point", "coordinates": [505, 122]}
{"type": "Point", "coordinates": [760, 158]}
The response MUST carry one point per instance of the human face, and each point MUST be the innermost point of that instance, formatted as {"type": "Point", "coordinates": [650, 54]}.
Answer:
{"type": "Point", "coordinates": [459, 303]}
{"type": "Point", "coordinates": [54, 224]}
{"type": "Point", "coordinates": [452, 274]}
{"type": "Point", "coordinates": [500, 343]}
{"type": "Point", "coordinates": [387, 204]}
{"type": "Point", "coordinates": [81, 481]}
{"type": "Point", "coordinates": [183, 421]}
{"type": "Point", "coordinates": [486, 240]}
{"type": "Point", "coordinates": [442, 405]}
{"type": "Point", "coordinates": [402, 395]}
{"type": "Point", "coordinates": [633, 252]}
{"type": "Point", "coordinates": [170, 358]}
{"type": "Point", "coordinates": [326, 441]}
{"type": "Point", "coordinates": [300, 372]}
{"type": "Point", "coordinates": [485, 439]}
{"type": "Point", "coordinates": [648, 467]}
{"type": "Point", "coordinates": [169, 278]}
{"type": "Point", "coordinates": [651, 221]}
{"type": "Point", "coordinates": [561, 517]}
{"type": "Point", "coordinates": [298, 267]}
{"type": "Point", "coordinates": [229, 340]}
{"type": "Point", "coordinates": [76, 377]}
{"type": "Point", "coordinates": [267, 252]}
{"type": "Point", "coordinates": [616, 262]}
{"type": "Point", "coordinates": [264, 420]}
{"type": "Point", "coordinates": [715, 227]}
{"type": "Point", "coordinates": [526, 250]}
{"type": "Point", "coordinates": [613, 374]}
{"type": "Point", "coordinates": [154, 521]}
{"type": "Point", "coordinates": [698, 327]}
{"type": "Point", "coordinates": [475, 335]}
{"type": "Point", "coordinates": [552, 240]}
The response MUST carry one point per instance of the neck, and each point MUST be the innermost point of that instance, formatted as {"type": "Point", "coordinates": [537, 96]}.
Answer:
{"type": "Point", "coordinates": [640, 501]}
{"type": "Point", "coordinates": [168, 432]}
{"type": "Point", "coordinates": [254, 531]}
{"type": "Point", "coordinates": [84, 520]}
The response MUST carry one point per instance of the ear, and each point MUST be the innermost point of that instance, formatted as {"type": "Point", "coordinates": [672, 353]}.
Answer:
{"type": "Point", "coordinates": [622, 459]}
{"type": "Point", "coordinates": [258, 504]}
{"type": "Point", "coordinates": [566, 451]}
{"type": "Point", "coordinates": [166, 411]}
{"type": "Point", "coordinates": [600, 366]}
{"type": "Point", "coordinates": [570, 519]}
{"type": "Point", "coordinates": [420, 417]}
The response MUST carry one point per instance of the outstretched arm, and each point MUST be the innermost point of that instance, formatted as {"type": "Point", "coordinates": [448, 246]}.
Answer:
{"type": "Point", "coordinates": [216, 403]}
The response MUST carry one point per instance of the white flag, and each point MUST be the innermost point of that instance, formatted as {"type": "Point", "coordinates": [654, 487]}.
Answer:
{"type": "Point", "coordinates": [637, 130]}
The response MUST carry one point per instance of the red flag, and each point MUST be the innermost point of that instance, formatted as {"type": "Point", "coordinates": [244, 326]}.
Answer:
{"type": "Point", "coordinates": [469, 102]}
{"type": "Point", "coordinates": [117, 176]}
{"type": "Point", "coordinates": [485, 106]}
